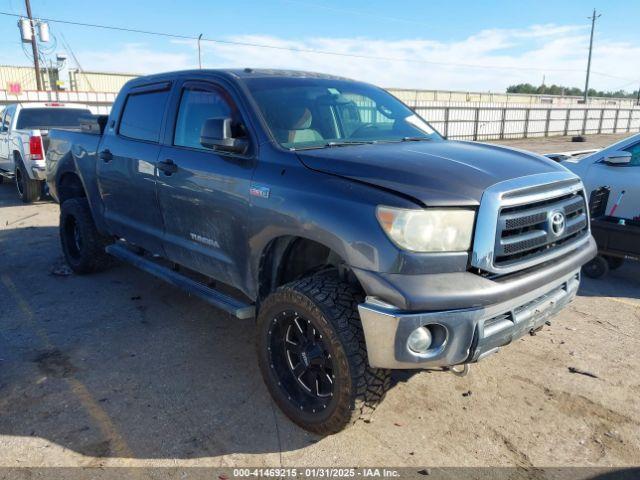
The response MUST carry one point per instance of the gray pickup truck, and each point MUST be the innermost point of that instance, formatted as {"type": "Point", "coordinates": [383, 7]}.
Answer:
{"type": "Point", "coordinates": [359, 239]}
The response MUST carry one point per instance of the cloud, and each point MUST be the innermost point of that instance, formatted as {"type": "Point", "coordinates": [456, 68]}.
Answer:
{"type": "Point", "coordinates": [487, 60]}
{"type": "Point", "coordinates": [135, 58]}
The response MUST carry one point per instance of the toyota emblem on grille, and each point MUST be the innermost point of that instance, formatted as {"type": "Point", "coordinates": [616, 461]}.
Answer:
{"type": "Point", "coordinates": [557, 223]}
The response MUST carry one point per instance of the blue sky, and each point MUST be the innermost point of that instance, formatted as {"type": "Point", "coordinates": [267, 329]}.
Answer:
{"type": "Point", "coordinates": [461, 45]}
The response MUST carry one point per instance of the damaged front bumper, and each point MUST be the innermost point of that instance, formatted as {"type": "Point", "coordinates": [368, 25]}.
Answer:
{"type": "Point", "coordinates": [463, 335]}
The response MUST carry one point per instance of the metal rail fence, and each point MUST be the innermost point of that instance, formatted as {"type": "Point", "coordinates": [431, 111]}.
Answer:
{"type": "Point", "coordinates": [463, 122]}
{"type": "Point", "coordinates": [98, 102]}
{"type": "Point", "coordinates": [495, 123]}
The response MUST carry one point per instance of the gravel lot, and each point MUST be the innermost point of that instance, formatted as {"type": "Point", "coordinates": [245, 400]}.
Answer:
{"type": "Point", "coordinates": [121, 369]}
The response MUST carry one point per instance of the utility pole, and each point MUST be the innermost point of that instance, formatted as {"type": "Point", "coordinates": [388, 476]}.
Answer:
{"type": "Point", "coordinates": [34, 47]}
{"type": "Point", "coordinates": [593, 25]}
{"type": "Point", "coordinates": [638, 101]}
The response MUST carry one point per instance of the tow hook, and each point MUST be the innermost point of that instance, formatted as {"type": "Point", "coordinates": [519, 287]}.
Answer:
{"type": "Point", "coordinates": [462, 372]}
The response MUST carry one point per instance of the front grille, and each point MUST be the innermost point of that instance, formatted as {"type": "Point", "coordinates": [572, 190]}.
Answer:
{"type": "Point", "coordinates": [528, 231]}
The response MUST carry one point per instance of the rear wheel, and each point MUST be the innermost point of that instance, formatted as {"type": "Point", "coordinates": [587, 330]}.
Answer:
{"type": "Point", "coordinates": [28, 190]}
{"type": "Point", "coordinates": [313, 356]}
{"type": "Point", "coordinates": [82, 244]}
{"type": "Point", "coordinates": [596, 268]}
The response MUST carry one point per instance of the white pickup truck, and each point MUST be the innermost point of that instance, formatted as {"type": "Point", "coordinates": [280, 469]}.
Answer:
{"type": "Point", "coordinates": [24, 128]}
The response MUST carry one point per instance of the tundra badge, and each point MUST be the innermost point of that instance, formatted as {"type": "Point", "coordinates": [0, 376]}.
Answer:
{"type": "Point", "coordinates": [259, 191]}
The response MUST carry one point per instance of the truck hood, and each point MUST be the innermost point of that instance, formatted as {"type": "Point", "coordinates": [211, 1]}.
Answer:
{"type": "Point", "coordinates": [435, 173]}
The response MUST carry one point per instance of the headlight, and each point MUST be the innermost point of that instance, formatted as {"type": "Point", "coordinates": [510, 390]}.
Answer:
{"type": "Point", "coordinates": [428, 230]}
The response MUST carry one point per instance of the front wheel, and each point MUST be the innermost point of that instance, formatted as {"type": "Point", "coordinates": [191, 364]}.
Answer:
{"type": "Point", "coordinates": [313, 357]}
{"type": "Point", "coordinates": [596, 268]}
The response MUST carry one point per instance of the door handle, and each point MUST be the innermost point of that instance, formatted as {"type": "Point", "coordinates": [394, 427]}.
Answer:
{"type": "Point", "coordinates": [106, 155]}
{"type": "Point", "coordinates": [168, 166]}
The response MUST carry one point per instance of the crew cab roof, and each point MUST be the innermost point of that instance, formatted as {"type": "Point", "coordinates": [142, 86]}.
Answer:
{"type": "Point", "coordinates": [232, 74]}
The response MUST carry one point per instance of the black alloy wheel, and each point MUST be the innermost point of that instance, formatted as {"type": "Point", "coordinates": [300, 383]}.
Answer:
{"type": "Point", "coordinates": [301, 361]}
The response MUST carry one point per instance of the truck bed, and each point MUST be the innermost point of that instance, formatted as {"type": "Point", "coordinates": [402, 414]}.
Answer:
{"type": "Point", "coordinates": [85, 145]}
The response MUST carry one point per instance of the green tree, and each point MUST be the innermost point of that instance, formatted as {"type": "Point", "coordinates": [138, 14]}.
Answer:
{"type": "Point", "coordinates": [569, 91]}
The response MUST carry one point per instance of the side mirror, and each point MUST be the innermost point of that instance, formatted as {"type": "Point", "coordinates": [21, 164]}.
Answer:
{"type": "Point", "coordinates": [618, 158]}
{"type": "Point", "coordinates": [216, 134]}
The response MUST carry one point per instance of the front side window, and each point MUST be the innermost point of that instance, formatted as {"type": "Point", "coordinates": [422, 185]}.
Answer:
{"type": "Point", "coordinates": [313, 113]}
{"type": "Point", "coordinates": [142, 115]}
{"type": "Point", "coordinates": [196, 106]}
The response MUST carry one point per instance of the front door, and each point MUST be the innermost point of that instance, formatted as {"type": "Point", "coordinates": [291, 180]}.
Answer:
{"type": "Point", "coordinates": [204, 198]}
{"type": "Point", "coordinates": [126, 168]}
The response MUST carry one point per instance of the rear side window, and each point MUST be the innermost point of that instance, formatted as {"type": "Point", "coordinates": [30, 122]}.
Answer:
{"type": "Point", "coordinates": [142, 115]}
{"type": "Point", "coordinates": [46, 118]}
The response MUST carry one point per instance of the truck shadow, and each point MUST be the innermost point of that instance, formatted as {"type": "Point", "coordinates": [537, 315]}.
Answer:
{"type": "Point", "coordinates": [9, 195]}
{"type": "Point", "coordinates": [120, 364]}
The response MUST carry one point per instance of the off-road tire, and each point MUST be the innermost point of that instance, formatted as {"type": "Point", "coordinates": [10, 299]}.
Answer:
{"type": "Point", "coordinates": [596, 268]}
{"type": "Point", "coordinates": [29, 190]}
{"type": "Point", "coordinates": [88, 254]}
{"type": "Point", "coordinates": [331, 305]}
{"type": "Point", "coordinates": [614, 262]}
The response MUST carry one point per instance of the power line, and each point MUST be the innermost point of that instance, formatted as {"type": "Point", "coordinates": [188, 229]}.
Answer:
{"type": "Point", "coordinates": [75, 59]}
{"type": "Point", "coordinates": [311, 51]}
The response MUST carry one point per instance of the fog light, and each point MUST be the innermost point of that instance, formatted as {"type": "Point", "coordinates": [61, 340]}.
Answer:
{"type": "Point", "coordinates": [420, 340]}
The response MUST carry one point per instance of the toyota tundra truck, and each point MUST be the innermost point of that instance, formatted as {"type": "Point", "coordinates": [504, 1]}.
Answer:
{"type": "Point", "coordinates": [24, 129]}
{"type": "Point", "coordinates": [358, 238]}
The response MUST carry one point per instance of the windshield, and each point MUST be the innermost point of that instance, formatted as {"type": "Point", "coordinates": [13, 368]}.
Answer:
{"type": "Point", "coordinates": [315, 113]}
{"type": "Point", "coordinates": [47, 118]}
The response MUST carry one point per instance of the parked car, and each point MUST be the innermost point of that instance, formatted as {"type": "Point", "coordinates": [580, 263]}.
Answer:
{"type": "Point", "coordinates": [24, 129]}
{"type": "Point", "coordinates": [359, 238]}
{"type": "Point", "coordinates": [612, 179]}
{"type": "Point", "coordinates": [618, 167]}
{"type": "Point", "coordinates": [574, 154]}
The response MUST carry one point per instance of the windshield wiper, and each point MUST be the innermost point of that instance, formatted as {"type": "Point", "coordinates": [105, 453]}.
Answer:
{"type": "Point", "coordinates": [416, 139]}
{"type": "Point", "coordinates": [335, 144]}
{"type": "Point", "coordinates": [351, 142]}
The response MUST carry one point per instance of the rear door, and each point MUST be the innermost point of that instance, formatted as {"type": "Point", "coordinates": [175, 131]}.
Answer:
{"type": "Point", "coordinates": [126, 167]}
{"type": "Point", "coordinates": [205, 201]}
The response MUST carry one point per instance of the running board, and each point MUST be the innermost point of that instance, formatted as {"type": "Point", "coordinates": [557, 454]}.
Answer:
{"type": "Point", "coordinates": [214, 297]}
